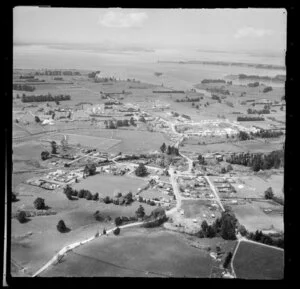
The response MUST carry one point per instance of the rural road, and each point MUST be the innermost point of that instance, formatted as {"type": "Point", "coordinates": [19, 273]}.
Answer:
{"type": "Point", "coordinates": [68, 248]}
{"type": "Point", "coordinates": [215, 192]}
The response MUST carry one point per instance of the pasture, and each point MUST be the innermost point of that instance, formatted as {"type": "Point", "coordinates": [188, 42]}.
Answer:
{"type": "Point", "coordinates": [255, 261]}
{"type": "Point", "coordinates": [135, 252]}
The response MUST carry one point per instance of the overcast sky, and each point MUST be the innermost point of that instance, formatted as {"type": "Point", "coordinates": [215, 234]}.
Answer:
{"type": "Point", "coordinates": [218, 29]}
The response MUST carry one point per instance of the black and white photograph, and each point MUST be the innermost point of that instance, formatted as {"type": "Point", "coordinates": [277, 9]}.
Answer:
{"type": "Point", "coordinates": [148, 143]}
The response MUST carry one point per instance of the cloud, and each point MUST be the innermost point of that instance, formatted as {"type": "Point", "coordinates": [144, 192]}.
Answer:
{"type": "Point", "coordinates": [252, 32]}
{"type": "Point", "coordinates": [122, 19]}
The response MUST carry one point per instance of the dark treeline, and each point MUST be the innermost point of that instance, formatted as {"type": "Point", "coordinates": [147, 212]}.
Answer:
{"type": "Point", "coordinates": [43, 98]}
{"type": "Point", "coordinates": [267, 89]}
{"type": "Point", "coordinates": [216, 97]}
{"type": "Point", "coordinates": [259, 161]}
{"type": "Point", "coordinates": [169, 150]}
{"type": "Point", "coordinates": [110, 124]}
{"type": "Point", "coordinates": [267, 133]}
{"type": "Point", "coordinates": [27, 77]}
{"type": "Point", "coordinates": [253, 84]}
{"type": "Point", "coordinates": [249, 118]}
{"type": "Point", "coordinates": [113, 102]}
{"type": "Point", "coordinates": [105, 79]}
{"type": "Point", "coordinates": [189, 99]}
{"type": "Point", "coordinates": [219, 90]}
{"type": "Point", "coordinates": [255, 111]}
{"type": "Point", "coordinates": [24, 87]}
{"type": "Point", "coordinates": [257, 77]}
{"type": "Point", "coordinates": [93, 74]}
{"type": "Point", "coordinates": [213, 81]}
{"type": "Point", "coordinates": [268, 239]}
{"type": "Point", "coordinates": [57, 72]}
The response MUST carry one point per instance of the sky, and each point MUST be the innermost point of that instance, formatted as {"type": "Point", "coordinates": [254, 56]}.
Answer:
{"type": "Point", "coordinates": [203, 29]}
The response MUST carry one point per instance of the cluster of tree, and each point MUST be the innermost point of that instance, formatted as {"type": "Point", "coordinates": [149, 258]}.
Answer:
{"type": "Point", "coordinates": [93, 74]}
{"type": "Point", "coordinates": [219, 90]}
{"type": "Point", "coordinates": [100, 218]}
{"type": "Point", "coordinates": [43, 98]}
{"type": "Point", "coordinates": [201, 160]}
{"type": "Point", "coordinates": [243, 136]}
{"type": "Point", "coordinates": [110, 124]}
{"type": "Point", "coordinates": [216, 97]}
{"type": "Point", "coordinates": [39, 204]}
{"type": "Point", "coordinates": [45, 155]}
{"type": "Point", "coordinates": [148, 202]}
{"type": "Point", "coordinates": [213, 81]}
{"type": "Point", "coordinates": [24, 87]}
{"type": "Point", "coordinates": [276, 239]}
{"type": "Point", "coordinates": [250, 118]}
{"type": "Point", "coordinates": [169, 150]}
{"type": "Point", "coordinates": [253, 84]}
{"type": "Point", "coordinates": [105, 79]}
{"type": "Point", "coordinates": [229, 103]}
{"type": "Point", "coordinates": [255, 111]}
{"type": "Point", "coordinates": [53, 147]}
{"type": "Point", "coordinates": [224, 227]}
{"type": "Point", "coordinates": [188, 99]}
{"type": "Point", "coordinates": [125, 220]}
{"type": "Point", "coordinates": [267, 89]}
{"type": "Point", "coordinates": [267, 133]}
{"type": "Point", "coordinates": [117, 231]}
{"type": "Point", "coordinates": [260, 161]}
{"type": "Point", "coordinates": [58, 78]}
{"type": "Point", "coordinates": [90, 169]}
{"type": "Point", "coordinates": [112, 102]}
{"type": "Point", "coordinates": [141, 170]}
{"type": "Point", "coordinates": [157, 217]}
{"type": "Point", "coordinates": [86, 194]}
{"type": "Point", "coordinates": [119, 199]}
{"type": "Point", "coordinates": [57, 72]}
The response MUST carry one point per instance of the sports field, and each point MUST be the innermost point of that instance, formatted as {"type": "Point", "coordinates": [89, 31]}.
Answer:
{"type": "Point", "coordinates": [254, 261]}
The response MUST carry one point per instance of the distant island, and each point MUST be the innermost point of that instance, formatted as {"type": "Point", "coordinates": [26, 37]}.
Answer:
{"type": "Point", "coordinates": [224, 63]}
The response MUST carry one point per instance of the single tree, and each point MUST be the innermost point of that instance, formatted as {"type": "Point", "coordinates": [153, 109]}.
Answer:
{"type": "Point", "coordinates": [39, 204]}
{"type": "Point", "coordinates": [269, 194]}
{"type": "Point", "coordinates": [90, 169]}
{"type": "Point", "coordinates": [140, 212]}
{"type": "Point", "coordinates": [53, 147]}
{"type": "Point", "coordinates": [117, 231]}
{"type": "Point", "coordinates": [21, 216]}
{"type": "Point", "coordinates": [61, 226]}
{"type": "Point", "coordinates": [45, 155]}
{"type": "Point", "coordinates": [227, 260]}
{"type": "Point", "coordinates": [163, 148]}
{"type": "Point", "coordinates": [14, 197]}
{"type": "Point", "coordinates": [37, 119]}
{"type": "Point", "coordinates": [141, 170]}
{"type": "Point", "coordinates": [118, 221]}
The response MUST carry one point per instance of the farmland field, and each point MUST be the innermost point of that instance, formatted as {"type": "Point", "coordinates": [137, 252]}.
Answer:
{"type": "Point", "coordinates": [107, 185]}
{"type": "Point", "coordinates": [254, 261]}
{"type": "Point", "coordinates": [135, 253]}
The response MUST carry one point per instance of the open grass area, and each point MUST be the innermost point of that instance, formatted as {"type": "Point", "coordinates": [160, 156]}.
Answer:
{"type": "Point", "coordinates": [132, 141]}
{"type": "Point", "coordinates": [100, 143]}
{"type": "Point", "coordinates": [107, 185]}
{"type": "Point", "coordinates": [35, 250]}
{"type": "Point", "coordinates": [134, 253]}
{"type": "Point", "coordinates": [254, 261]}
{"type": "Point", "coordinates": [252, 216]}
